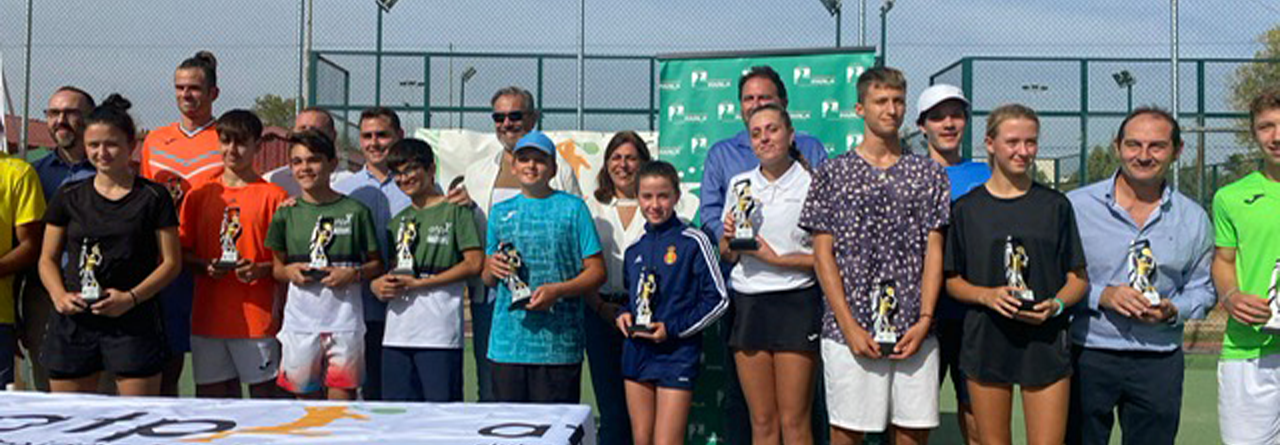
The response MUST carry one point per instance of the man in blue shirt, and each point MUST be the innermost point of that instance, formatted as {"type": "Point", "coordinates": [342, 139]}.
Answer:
{"type": "Point", "coordinates": [67, 110]}
{"type": "Point", "coordinates": [1128, 351]}
{"type": "Point", "coordinates": [727, 158]}
{"type": "Point", "coordinates": [942, 121]}
{"type": "Point", "coordinates": [375, 187]}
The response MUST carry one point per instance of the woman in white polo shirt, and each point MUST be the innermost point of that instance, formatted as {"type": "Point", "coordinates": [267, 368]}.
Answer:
{"type": "Point", "coordinates": [777, 320]}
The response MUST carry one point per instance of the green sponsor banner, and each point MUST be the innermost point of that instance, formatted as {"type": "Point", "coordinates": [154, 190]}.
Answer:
{"type": "Point", "coordinates": [699, 104]}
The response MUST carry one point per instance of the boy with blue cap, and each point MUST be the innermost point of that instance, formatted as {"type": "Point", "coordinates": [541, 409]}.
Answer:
{"type": "Point", "coordinates": [541, 242]}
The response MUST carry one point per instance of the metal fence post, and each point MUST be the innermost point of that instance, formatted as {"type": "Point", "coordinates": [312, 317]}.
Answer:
{"type": "Point", "coordinates": [1084, 122]}
{"type": "Point", "coordinates": [426, 90]}
{"type": "Point", "coordinates": [966, 85]}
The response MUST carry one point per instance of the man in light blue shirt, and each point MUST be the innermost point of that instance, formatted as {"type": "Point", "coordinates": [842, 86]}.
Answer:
{"type": "Point", "coordinates": [375, 187]}
{"type": "Point", "coordinates": [1128, 352]}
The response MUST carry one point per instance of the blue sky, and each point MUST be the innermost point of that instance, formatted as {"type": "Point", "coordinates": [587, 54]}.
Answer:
{"type": "Point", "coordinates": [108, 46]}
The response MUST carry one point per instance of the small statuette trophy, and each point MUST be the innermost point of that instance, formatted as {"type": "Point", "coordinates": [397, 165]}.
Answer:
{"type": "Point", "coordinates": [885, 297]}
{"type": "Point", "coordinates": [230, 233]}
{"type": "Point", "coordinates": [744, 235]}
{"type": "Point", "coordinates": [406, 237]}
{"type": "Point", "coordinates": [520, 292]}
{"type": "Point", "coordinates": [90, 259]}
{"type": "Point", "coordinates": [1015, 269]}
{"type": "Point", "coordinates": [1273, 298]}
{"type": "Point", "coordinates": [646, 291]}
{"type": "Point", "coordinates": [1142, 270]}
{"type": "Point", "coordinates": [321, 239]}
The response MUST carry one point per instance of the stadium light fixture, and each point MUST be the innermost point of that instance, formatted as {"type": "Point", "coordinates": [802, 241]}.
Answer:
{"type": "Point", "coordinates": [1124, 79]}
{"type": "Point", "coordinates": [833, 8]}
{"type": "Point", "coordinates": [467, 74]}
{"type": "Point", "coordinates": [884, 23]}
{"type": "Point", "coordinates": [1035, 87]}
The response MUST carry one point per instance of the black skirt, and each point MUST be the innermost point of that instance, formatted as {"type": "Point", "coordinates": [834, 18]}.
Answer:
{"type": "Point", "coordinates": [777, 321]}
{"type": "Point", "coordinates": [1007, 351]}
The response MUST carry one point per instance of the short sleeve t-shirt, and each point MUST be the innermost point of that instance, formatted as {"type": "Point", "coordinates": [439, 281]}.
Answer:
{"type": "Point", "coordinates": [348, 226]}
{"type": "Point", "coordinates": [880, 220]}
{"type": "Point", "coordinates": [1244, 218]}
{"type": "Point", "coordinates": [553, 235]}
{"type": "Point", "coordinates": [180, 160]}
{"type": "Point", "coordinates": [116, 238]}
{"type": "Point", "coordinates": [21, 202]}
{"type": "Point", "coordinates": [1042, 220]}
{"type": "Point", "coordinates": [964, 176]}
{"type": "Point", "coordinates": [227, 307]}
{"type": "Point", "coordinates": [431, 317]}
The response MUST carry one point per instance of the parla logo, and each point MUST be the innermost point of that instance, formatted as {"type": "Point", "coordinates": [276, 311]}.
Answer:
{"type": "Point", "coordinates": [801, 115]}
{"type": "Point", "coordinates": [675, 110]}
{"type": "Point", "coordinates": [852, 73]}
{"type": "Point", "coordinates": [727, 111]}
{"type": "Point", "coordinates": [697, 76]}
{"type": "Point", "coordinates": [697, 142]}
{"type": "Point", "coordinates": [852, 140]}
{"type": "Point", "coordinates": [669, 85]}
{"type": "Point", "coordinates": [803, 75]}
{"type": "Point", "coordinates": [830, 108]}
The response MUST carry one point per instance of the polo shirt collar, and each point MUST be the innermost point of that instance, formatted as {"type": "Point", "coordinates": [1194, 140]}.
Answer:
{"type": "Point", "coordinates": [784, 182]}
{"type": "Point", "coordinates": [1108, 194]}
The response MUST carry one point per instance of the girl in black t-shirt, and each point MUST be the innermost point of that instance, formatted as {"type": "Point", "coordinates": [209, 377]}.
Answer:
{"type": "Point", "coordinates": [119, 234]}
{"type": "Point", "coordinates": [1006, 238]}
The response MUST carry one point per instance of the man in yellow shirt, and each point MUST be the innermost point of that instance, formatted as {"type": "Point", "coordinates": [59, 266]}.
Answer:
{"type": "Point", "coordinates": [21, 207]}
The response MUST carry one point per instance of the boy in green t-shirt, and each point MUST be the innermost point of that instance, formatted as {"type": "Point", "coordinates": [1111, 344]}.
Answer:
{"type": "Point", "coordinates": [435, 248]}
{"type": "Point", "coordinates": [535, 345]}
{"type": "Point", "coordinates": [323, 246]}
{"type": "Point", "coordinates": [1246, 267]}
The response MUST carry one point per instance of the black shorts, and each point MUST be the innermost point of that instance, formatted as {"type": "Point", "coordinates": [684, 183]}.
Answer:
{"type": "Point", "coordinates": [777, 321]}
{"type": "Point", "coordinates": [1001, 350]}
{"type": "Point", "coordinates": [80, 345]}
{"type": "Point", "coordinates": [516, 383]}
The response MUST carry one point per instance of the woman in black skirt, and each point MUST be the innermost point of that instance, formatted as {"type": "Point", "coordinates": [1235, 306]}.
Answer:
{"type": "Point", "coordinates": [777, 320]}
{"type": "Point", "coordinates": [1014, 252]}
{"type": "Point", "coordinates": [119, 233]}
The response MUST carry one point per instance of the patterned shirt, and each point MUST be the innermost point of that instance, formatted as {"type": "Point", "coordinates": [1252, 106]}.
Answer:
{"type": "Point", "coordinates": [880, 220]}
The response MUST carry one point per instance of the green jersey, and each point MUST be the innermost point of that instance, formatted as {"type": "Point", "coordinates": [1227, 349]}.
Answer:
{"type": "Point", "coordinates": [1244, 218]}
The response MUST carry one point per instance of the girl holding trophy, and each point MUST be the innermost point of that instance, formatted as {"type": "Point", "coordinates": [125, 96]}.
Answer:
{"type": "Point", "coordinates": [1010, 243]}
{"type": "Point", "coordinates": [778, 316]}
{"type": "Point", "coordinates": [120, 232]}
{"type": "Point", "coordinates": [676, 290]}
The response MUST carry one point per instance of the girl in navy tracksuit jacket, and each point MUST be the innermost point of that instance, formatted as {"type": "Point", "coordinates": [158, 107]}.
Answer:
{"type": "Point", "coordinates": [661, 364]}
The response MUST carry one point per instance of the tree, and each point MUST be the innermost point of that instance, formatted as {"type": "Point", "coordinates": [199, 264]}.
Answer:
{"type": "Point", "coordinates": [275, 110]}
{"type": "Point", "coordinates": [1101, 164]}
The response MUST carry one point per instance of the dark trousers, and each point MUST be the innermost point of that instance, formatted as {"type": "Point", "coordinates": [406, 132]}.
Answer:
{"type": "Point", "coordinates": [513, 383]}
{"type": "Point", "coordinates": [1144, 387]}
{"type": "Point", "coordinates": [604, 355]}
{"type": "Point", "coordinates": [481, 320]}
{"type": "Point", "coordinates": [422, 374]}
{"type": "Point", "coordinates": [372, 387]}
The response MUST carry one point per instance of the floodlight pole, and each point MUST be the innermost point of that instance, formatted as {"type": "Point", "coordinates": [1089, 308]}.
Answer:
{"type": "Point", "coordinates": [862, 23]}
{"type": "Point", "coordinates": [582, 69]}
{"type": "Point", "coordinates": [839, 21]}
{"type": "Point", "coordinates": [26, 92]}
{"type": "Point", "coordinates": [377, 70]}
{"type": "Point", "coordinates": [884, 14]}
{"type": "Point", "coordinates": [1173, 74]}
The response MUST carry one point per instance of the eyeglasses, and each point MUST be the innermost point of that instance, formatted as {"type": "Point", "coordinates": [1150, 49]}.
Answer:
{"type": "Point", "coordinates": [514, 116]}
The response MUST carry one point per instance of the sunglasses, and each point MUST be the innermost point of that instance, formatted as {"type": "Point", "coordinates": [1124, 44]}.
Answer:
{"type": "Point", "coordinates": [514, 116]}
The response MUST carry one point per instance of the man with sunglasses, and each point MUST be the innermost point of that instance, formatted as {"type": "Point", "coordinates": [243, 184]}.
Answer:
{"type": "Point", "coordinates": [374, 187]}
{"type": "Point", "coordinates": [489, 181]}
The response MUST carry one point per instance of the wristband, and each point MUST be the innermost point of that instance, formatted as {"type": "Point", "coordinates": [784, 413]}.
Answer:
{"type": "Point", "coordinates": [133, 296]}
{"type": "Point", "coordinates": [1061, 306]}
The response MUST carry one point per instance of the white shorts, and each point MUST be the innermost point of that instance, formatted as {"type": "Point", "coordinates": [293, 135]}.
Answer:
{"type": "Point", "coordinates": [868, 395]}
{"type": "Point", "coordinates": [313, 360]}
{"type": "Point", "coordinates": [250, 360]}
{"type": "Point", "coordinates": [1249, 400]}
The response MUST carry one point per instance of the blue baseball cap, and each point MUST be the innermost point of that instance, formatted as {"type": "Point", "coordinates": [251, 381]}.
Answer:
{"type": "Point", "coordinates": [538, 140]}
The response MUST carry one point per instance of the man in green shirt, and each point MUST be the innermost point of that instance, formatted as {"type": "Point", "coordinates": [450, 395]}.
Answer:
{"type": "Point", "coordinates": [1246, 266]}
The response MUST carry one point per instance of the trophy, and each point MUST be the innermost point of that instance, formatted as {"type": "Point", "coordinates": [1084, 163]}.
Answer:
{"type": "Point", "coordinates": [744, 236]}
{"type": "Point", "coordinates": [90, 259]}
{"type": "Point", "coordinates": [406, 237]}
{"type": "Point", "coordinates": [321, 239]}
{"type": "Point", "coordinates": [1015, 266]}
{"type": "Point", "coordinates": [520, 292]}
{"type": "Point", "coordinates": [230, 233]}
{"type": "Point", "coordinates": [1273, 299]}
{"type": "Point", "coordinates": [885, 298]}
{"type": "Point", "coordinates": [1142, 270]}
{"type": "Point", "coordinates": [646, 290]}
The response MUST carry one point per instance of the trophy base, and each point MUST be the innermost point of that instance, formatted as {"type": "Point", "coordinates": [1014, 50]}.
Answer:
{"type": "Point", "coordinates": [1153, 298]}
{"type": "Point", "coordinates": [1028, 299]}
{"type": "Point", "coordinates": [225, 265]}
{"type": "Point", "coordinates": [315, 274]}
{"type": "Point", "coordinates": [91, 297]}
{"type": "Point", "coordinates": [1273, 325]}
{"type": "Point", "coordinates": [886, 348]}
{"type": "Point", "coordinates": [744, 244]}
{"type": "Point", "coordinates": [640, 328]}
{"type": "Point", "coordinates": [404, 272]}
{"type": "Point", "coordinates": [521, 298]}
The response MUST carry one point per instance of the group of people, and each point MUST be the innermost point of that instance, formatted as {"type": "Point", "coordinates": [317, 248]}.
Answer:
{"type": "Point", "coordinates": [845, 288]}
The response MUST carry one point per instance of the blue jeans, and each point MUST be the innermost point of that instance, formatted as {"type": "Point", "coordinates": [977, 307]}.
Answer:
{"type": "Point", "coordinates": [421, 374]}
{"type": "Point", "coordinates": [604, 356]}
